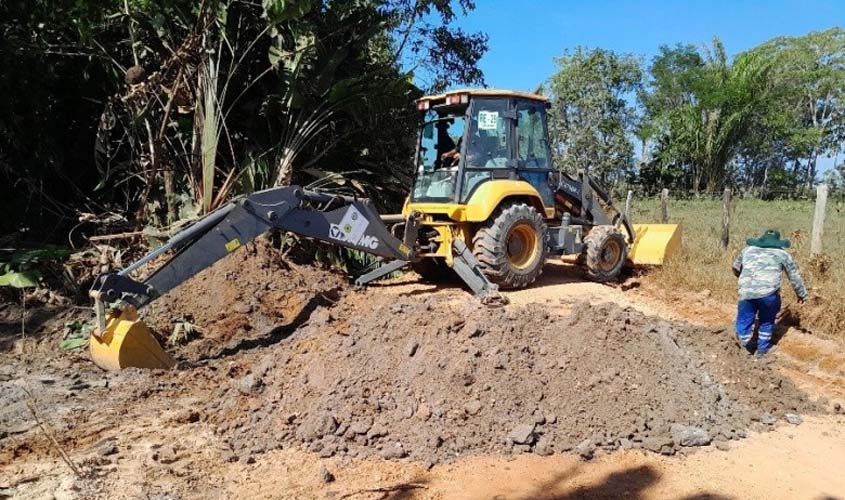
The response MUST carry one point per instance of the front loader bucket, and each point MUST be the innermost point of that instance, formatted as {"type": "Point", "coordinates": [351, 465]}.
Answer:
{"type": "Point", "coordinates": [654, 243]}
{"type": "Point", "coordinates": [127, 342]}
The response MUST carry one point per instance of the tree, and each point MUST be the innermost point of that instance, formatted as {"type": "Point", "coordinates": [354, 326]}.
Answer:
{"type": "Point", "coordinates": [807, 110]}
{"type": "Point", "coordinates": [834, 179]}
{"type": "Point", "coordinates": [52, 84]}
{"type": "Point", "coordinates": [591, 119]}
{"type": "Point", "coordinates": [699, 108]}
{"type": "Point", "coordinates": [424, 41]}
{"type": "Point", "coordinates": [160, 108]}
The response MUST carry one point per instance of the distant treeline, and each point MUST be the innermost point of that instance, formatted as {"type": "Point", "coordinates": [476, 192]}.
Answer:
{"type": "Point", "coordinates": [694, 119]}
{"type": "Point", "coordinates": [619, 193]}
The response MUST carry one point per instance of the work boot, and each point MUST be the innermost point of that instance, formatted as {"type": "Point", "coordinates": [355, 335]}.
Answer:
{"type": "Point", "coordinates": [741, 345]}
{"type": "Point", "coordinates": [764, 353]}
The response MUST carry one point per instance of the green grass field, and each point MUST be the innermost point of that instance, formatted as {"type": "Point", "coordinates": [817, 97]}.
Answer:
{"type": "Point", "coordinates": [704, 265]}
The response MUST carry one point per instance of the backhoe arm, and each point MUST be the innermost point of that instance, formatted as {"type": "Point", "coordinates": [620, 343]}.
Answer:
{"type": "Point", "coordinates": [121, 338]}
{"type": "Point", "coordinates": [341, 220]}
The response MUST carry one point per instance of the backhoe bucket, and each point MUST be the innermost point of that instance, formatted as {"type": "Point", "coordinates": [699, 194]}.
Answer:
{"type": "Point", "coordinates": [654, 243]}
{"type": "Point", "coordinates": [127, 342]}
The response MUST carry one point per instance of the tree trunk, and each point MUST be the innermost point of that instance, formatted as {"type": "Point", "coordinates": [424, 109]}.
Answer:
{"type": "Point", "coordinates": [696, 180]}
{"type": "Point", "coordinates": [170, 195]}
{"type": "Point", "coordinates": [796, 169]}
{"type": "Point", "coordinates": [811, 171]}
{"type": "Point", "coordinates": [818, 220]}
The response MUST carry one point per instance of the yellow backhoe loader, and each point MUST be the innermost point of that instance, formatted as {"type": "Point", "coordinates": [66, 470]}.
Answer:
{"type": "Point", "coordinates": [487, 205]}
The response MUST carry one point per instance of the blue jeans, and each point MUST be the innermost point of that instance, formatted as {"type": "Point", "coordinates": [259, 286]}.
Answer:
{"type": "Point", "coordinates": [764, 311]}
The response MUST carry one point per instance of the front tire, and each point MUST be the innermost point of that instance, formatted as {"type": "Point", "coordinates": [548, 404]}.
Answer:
{"type": "Point", "coordinates": [511, 246]}
{"type": "Point", "coordinates": [606, 252]}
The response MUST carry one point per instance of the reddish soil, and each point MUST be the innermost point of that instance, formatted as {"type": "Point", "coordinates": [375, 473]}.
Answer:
{"type": "Point", "coordinates": [250, 295]}
{"type": "Point", "coordinates": [295, 377]}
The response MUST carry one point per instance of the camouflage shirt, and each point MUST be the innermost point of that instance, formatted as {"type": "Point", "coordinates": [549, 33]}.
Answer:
{"type": "Point", "coordinates": [760, 270]}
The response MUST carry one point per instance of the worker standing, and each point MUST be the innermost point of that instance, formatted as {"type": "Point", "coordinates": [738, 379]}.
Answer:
{"type": "Point", "coordinates": [759, 268]}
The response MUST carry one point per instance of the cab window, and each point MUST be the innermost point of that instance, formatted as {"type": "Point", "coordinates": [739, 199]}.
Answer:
{"type": "Point", "coordinates": [532, 149]}
{"type": "Point", "coordinates": [488, 138]}
{"type": "Point", "coordinates": [438, 158]}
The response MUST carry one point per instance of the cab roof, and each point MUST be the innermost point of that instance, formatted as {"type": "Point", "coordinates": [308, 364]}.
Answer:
{"type": "Point", "coordinates": [487, 93]}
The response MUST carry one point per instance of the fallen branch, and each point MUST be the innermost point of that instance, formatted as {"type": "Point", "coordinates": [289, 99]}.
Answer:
{"type": "Point", "coordinates": [45, 428]}
{"type": "Point", "coordinates": [23, 480]}
{"type": "Point", "coordinates": [386, 490]}
{"type": "Point", "coordinates": [118, 236]}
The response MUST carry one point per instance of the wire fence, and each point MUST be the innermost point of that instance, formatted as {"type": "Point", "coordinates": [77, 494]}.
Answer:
{"type": "Point", "coordinates": [620, 193]}
{"type": "Point", "coordinates": [822, 195]}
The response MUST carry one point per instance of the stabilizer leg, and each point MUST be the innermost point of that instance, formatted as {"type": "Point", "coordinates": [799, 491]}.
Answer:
{"type": "Point", "coordinates": [469, 269]}
{"type": "Point", "coordinates": [381, 271]}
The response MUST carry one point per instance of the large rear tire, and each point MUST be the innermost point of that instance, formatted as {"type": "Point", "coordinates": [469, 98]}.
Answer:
{"type": "Point", "coordinates": [606, 252]}
{"type": "Point", "coordinates": [511, 246]}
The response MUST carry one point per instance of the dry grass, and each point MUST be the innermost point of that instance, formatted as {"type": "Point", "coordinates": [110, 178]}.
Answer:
{"type": "Point", "coordinates": [704, 265]}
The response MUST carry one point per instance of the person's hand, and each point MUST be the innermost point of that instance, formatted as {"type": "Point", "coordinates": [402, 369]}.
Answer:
{"type": "Point", "coordinates": [801, 300]}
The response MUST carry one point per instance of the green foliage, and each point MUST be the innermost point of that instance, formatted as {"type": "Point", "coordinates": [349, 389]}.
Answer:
{"type": "Point", "coordinates": [76, 334]}
{"type": "Point", "coordinates": [804, 117]}
{"type": "Point", "coordinates": [186, 103]}
{"type": "Point", "coordinates": [298, 84]}
{"type": "Point", "coordinates": [21, 269]}
{"type": "Point", "coordinates": [52, 83]}
{"type": "Point", "coordinates": [699, 108]}
{"type": "Point", "coordinates": [280, 11]}
{"type": "Point", "coordinates": [19, 279]}
{"type": "Point", "coordinates": [74, 343]}
{"type": "Point", "coordinates": [760, 121]}
{"type": "Point", "coordinates": [590, 119]}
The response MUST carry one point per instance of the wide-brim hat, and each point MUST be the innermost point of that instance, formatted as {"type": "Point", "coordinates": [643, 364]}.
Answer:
{"type": "Point", "coordinates": [769, 239]}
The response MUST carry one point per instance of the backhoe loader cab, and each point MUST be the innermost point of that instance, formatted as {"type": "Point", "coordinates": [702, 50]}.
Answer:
{"type": "Point", "coordinates": [484, 175]}
{"type": "Point", "coordinates": [469, 138]}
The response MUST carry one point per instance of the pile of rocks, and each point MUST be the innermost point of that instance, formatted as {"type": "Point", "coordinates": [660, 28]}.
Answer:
{"type": "Point", "coordinates": [433, 380]}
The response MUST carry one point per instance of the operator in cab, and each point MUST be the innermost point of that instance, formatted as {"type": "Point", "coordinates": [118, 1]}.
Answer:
{"type": "Point", "coordinates": [451, 157]}
{"type": "Point", "coordinates": [759, 267]}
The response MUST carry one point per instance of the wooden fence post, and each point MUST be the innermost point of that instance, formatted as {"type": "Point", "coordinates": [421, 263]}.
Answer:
{"type": "Point", "coordinates": [664, 206]}
{"type": "Point", "coordinates": [628, 202]}
{"type": "Point", "coordinates": [818, 220]}
{"type": "Point", "coordinates": [726, 217]}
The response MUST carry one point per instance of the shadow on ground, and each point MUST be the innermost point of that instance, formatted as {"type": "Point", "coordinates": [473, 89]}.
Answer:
{"type": "Point", "coordinates": [280, 333]}
{"type": "Point", "coordinates": [38, 323]}
{"type": "Point", "coordinates": [554, 273]}
{"type": "Point", "coordinates": [629, 484]}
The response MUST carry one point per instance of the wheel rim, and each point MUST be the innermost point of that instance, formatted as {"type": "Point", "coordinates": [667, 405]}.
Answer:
{"type": "Point", "coordinates": [609, 256]}
{"type": "Point", "coordinates": [522, 246]}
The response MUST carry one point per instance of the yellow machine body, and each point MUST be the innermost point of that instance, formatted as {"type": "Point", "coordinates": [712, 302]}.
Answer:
{"type": "Point", "coordinates": [127, 342]}
{"type": "Point", "coordinates": [486, 198]}
{"type": "Point", "coordinates": [654, 243]}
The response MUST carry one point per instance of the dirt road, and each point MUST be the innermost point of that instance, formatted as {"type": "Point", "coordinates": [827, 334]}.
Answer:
{"type": "Point", "coordinates": [291, 414]}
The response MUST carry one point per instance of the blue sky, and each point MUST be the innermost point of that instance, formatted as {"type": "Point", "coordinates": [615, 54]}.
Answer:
{"type": "Point", "coordinates": [526, 35]}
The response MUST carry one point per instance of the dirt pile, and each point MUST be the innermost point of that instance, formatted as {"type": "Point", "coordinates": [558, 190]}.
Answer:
{"type": "Point", "coordinates": [246, 296]}
{"type": "Point", "coordinates": [431, 379]}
